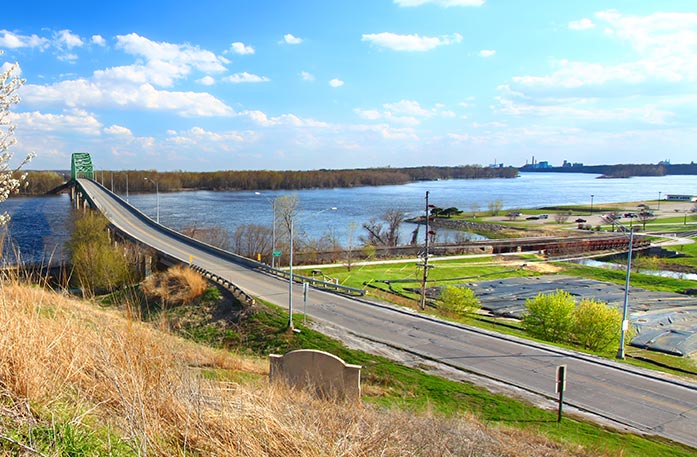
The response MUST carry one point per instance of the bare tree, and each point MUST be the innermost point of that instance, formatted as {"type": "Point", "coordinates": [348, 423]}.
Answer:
{"type": "Point", "coordinates": [215, 236]}
{"type": "Point", "coordinates": [644, 217]}
{"type": "Point", "coordinates": [384, 231]}
{"type": "Point", "coordinates": [562, 217]}
{"type": "Point", "coordinates": [475, 207]}
{"type": "Point", "coordinates": [251, 239]}
{"type": "Point", "coordinates": [287, 208]}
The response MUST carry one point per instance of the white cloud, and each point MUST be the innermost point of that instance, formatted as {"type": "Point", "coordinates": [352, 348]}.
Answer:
{"type": "Point", "coordinates": [118, 130]}
{"type": "Point", "coordinates": [82, 93]}
{"type": "Point", "coordinates": [581, 24]}
{"type": "Point", "coordinates": [290, 39]}
{"type": "Point", "coordinates": [68, 39]}
{"type": "Point", "coordinates": [336, 82]}
{"type": "Point", "coordinates": [664, 60]}
{"type": "Point", "coordinates": [487, 53]}
{"type": "Point", "coordinates": [169, 56]}
{"type": "Point", "coordinates": [136, 86]}
{"type": "Point", "coordinates": [206, 81]}
{"type": "Point", "coordinates": [240, 48]}
{"type": "Point", "coordinates": [12, 40]}
{"type": "Point", "coordinates": [368, 114]}
{"type": "Point", "coordinates": [444, 3]}
{"type": "Point", "coordinates": [305, 76]}
{"type": "Point", "coordinates": [245, 77]}
{"type": "Point", "coordinates": [98, 40]}
{"type": "Point", "coordinates": [410, 43]}
{"type": "Point", "coordinates": [72, 121]}
{"type": "Point", "coordinates": [407, 107]}
{"type": "Point", "coordinates": [260, 118]}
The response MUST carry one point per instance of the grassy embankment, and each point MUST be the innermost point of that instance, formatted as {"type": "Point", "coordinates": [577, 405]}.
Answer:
{"type": "Point", "coordinates": [77, 379]}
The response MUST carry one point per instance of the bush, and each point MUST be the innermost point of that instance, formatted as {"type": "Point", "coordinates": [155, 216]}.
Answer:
{"type": "Point", "coordinates": [179, 285]}
{"type": "Point", "coordinates": [459, 300]}
{"type": "Point", "coordinates": [550, 316]}
{"type": "Point", "coordinates": [596, 325]}
{"type": "Point", "coordinates": [97, 263]}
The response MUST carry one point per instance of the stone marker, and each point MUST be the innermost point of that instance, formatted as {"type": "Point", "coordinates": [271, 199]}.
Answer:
{"type": "Point", "coordinates": [327, 374]}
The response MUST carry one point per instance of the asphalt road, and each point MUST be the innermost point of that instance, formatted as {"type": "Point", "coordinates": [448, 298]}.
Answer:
{"type": "Point", "coordinates": [639, 399]}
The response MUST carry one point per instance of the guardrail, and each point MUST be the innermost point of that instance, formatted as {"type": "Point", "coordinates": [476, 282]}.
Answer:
{"type": "Point", "coordinates": [238, 293]}
{"type": "Point", "coordinates": [312, 281]}
{"type": "Point", "coordinates": [220, 253]}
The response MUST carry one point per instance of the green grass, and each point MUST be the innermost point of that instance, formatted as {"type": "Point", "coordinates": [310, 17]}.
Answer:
{"type": "Point", "coordinates": [643, 281]}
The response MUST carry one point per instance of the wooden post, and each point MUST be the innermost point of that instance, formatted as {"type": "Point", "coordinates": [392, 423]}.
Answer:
{"type": "Point", "coordinates": [561, 387]}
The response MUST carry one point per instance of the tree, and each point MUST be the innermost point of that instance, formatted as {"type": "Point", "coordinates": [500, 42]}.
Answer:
{"type": "Point", "coordinates": [596, 325]}
{"type": "Point", "coordinates": [459, 300]}
{"type": "Point", "coordinates": [215, 236]}
{"type": "Point", "coordinates": [384, 231]}
{"type": "Point", "coordinates": [475, 207]}
{"type": "Point", "coordinates": [9, 182]}
{"type": "Point", "coordinates": [562, 217]}
{"type": "Point", "coordinates": [550, 316]}
{"type": "Point", "coordinates": [495, 207]}
{"type": "Point", "coordinates": [97, 263]}
{"type": "Point", "coordinates": [644, 217]}
{"type": "Point", "coordinates": [251, 239]}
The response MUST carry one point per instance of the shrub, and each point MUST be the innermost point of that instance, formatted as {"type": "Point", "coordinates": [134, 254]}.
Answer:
{"type": "Point", "coordinates": [179, 285]}
{"type": "Point", "coordinates": [596, 325]}
{"type": "Point", "coordinates": [459, 300]}
{"type": "Point", "coordinates": [550, 316]}
{"type": "Point", "coordinates": [97, 263]}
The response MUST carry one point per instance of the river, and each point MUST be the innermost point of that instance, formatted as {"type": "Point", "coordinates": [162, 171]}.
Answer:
{"type": "Point", "coordinates": [41, 225]}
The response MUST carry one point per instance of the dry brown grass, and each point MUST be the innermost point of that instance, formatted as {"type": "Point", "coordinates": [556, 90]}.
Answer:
{"type": "Point", "coordinates": [178, 285]}
{"type": "Point", "coordinates": [65, 358]}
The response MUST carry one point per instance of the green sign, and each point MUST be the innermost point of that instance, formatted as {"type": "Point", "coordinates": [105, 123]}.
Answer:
{"type": "Point", "coordinates": [276, 253]}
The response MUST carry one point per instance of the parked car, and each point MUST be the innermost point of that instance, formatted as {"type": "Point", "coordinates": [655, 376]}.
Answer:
{"type": "Point", "coordinates": [532, 218]}
{"type": "Point", "coordinates": [544, 216]}
{"type": "Point", "coordinates": [580, 221]}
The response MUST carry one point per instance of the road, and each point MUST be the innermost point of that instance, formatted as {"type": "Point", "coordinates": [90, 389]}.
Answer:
{"type": "Point", "coordinates": [640, 400]}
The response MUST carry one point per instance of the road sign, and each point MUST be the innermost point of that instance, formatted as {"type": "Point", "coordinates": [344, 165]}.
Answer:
{"type": "Point", "coordinates": [276, 253]}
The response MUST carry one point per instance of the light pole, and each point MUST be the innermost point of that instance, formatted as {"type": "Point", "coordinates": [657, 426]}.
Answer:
{"type": "Point", "coordinates": [592, 204]}
{"type": "Point", "coordinates": [659, 199]}
{"type": "Point", "coordinates": [290, 267]}
{"type": "Point", "coordinates": [625, 322]}
{"type": "Point", "coordinates": [127, 187]}
{"type": "Point", "coordinates": [157, 198]}
{"type": "Point", "coordinates": [273, 229]}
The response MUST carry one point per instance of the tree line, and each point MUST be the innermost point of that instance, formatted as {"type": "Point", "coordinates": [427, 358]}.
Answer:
{"type": "Point", "coordinates": [268, 179]}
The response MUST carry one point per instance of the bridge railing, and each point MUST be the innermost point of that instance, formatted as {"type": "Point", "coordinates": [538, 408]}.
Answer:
{"type": "Point", "coordinates": [221, 253]}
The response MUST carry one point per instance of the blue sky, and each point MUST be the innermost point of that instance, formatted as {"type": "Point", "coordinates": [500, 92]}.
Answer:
{"type": "Point", "coordinates": [254, 84]}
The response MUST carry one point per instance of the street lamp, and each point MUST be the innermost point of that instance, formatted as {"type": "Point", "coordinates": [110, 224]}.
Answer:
{"type": "Point", "coordinates": [659, 199]}
{"type": "Point", "coordinates": [625, 322]}
{"type": "Point", "coordinates": [273, 230]}
{"type": "Point", "coordinates": [126, 187]}
{"type": "Point", "coordinates": [592, 204]}
{"type": "Point", "coordinates": [290, 267]}
{"type": "Point", "coordinates": [157, 198]}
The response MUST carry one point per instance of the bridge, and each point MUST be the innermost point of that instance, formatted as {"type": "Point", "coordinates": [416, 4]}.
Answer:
{"type": "Point", "coordinates": [630, 398]}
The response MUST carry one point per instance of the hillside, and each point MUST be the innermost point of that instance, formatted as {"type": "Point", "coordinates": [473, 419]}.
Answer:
{"type": "Point", "coordinates": [79, 380]}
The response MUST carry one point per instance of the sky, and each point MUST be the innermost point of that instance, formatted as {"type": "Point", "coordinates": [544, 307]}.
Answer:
{"type": "Point", "coordinates": [312, 84]}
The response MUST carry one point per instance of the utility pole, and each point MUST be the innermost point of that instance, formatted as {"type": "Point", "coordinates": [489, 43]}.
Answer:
{"type": "Point", "coordinates": [425, 264]}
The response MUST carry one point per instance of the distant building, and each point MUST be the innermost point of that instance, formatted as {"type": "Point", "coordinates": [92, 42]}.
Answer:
{"type": "Point", "coordinates": [681, 198]}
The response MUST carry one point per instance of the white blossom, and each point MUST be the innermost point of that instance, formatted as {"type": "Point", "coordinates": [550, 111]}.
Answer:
{"type": "Point", "coordinates": [10, 82]}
